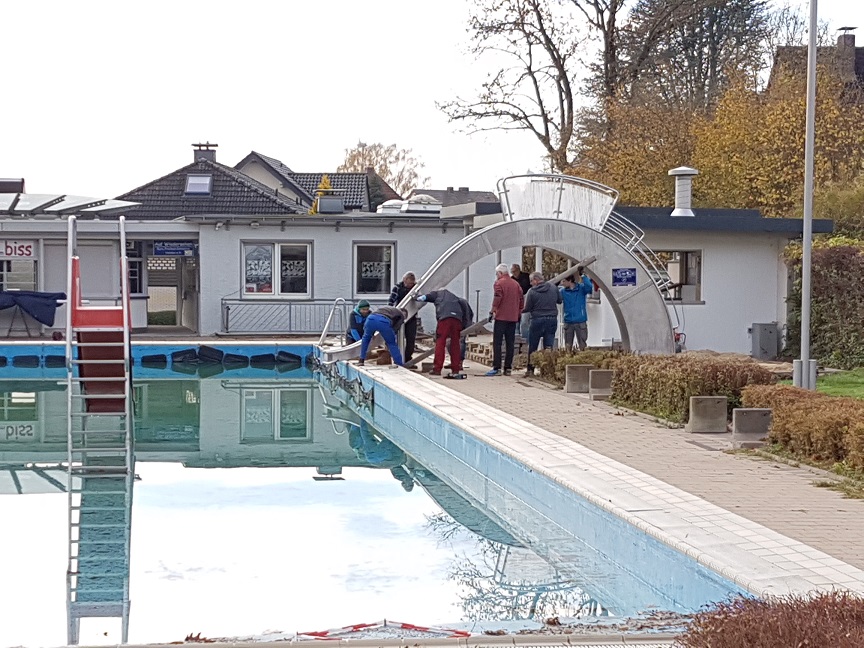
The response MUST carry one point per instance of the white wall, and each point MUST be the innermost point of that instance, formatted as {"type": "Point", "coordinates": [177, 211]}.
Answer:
{"type": "Point", "coordinates": [416, 249]}
{"type": "Point", "coordinates": [743, 282]}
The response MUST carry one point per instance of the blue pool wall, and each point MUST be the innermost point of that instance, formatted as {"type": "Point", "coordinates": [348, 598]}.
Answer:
{"type": "Point", "coordinates": [45, 360]}
{"type": "Point", "coordinates": [471, 466]}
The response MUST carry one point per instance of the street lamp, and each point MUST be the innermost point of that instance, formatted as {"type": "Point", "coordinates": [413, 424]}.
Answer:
{"type": "Point", "coordinates": [804, 370]}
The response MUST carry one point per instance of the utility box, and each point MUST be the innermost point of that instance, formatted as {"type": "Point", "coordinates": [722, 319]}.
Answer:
{"type": "Point", "coordinates": [766, 341]}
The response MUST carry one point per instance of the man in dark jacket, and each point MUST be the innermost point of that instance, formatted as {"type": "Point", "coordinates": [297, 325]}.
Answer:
{"type": "Point", "coordinates": [356, 322]}
{"type": "Point", "coordinates": [541, 303]}
{"type": "Point", "coordinates": [385, 321]}
{"type": "Point", "coordinates": [450, 315]}
{"type": "Point", "coordinates": [525, 284]}
{"type": "Point", "coordinates": [399, 292]}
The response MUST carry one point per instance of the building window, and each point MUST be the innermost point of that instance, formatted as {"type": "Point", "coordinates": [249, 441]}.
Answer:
{"type": "Point", "coordinates": [260, 261]}
{"type": "Point", "coordinates": [135, 258]}
{"type": "Point", "coordinates": [374, 268]}
{"type": "Point", "coordinates": [18, 406]}
{"type": "Point", "coordinates": [294, 269]}
{"type": "Point", "coordinates": [270, 415]}
{"type": "Point", "coordinates": [199, 185]}
{"type": "Point", "coordinates": [18, 274]}
{"type": "Point", "coordinates": [684, 269]}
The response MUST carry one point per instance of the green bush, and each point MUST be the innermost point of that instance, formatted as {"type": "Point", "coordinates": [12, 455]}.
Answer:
{"type": "Point", "coordinates": [813, 425]}
{"type": "Point", "coordinates": [663, 385]}
{"type": "Point", "coordinates": [551, 365]}
{"type": "Point", "coordinates": [834, 619]}
{"type": "Point", "coordinates": [837, 304]}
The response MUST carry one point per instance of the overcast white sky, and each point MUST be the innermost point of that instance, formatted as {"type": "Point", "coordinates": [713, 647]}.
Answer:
{"type": "Point", "coordinates": [103, 96]}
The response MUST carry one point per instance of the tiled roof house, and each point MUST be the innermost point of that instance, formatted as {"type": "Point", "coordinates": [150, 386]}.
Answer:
{"type": "Point", "coordinates": [359, 191]}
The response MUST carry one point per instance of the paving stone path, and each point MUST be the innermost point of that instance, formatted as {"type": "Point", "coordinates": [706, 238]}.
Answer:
{"type": "Point", "coordinates": [778, 496]}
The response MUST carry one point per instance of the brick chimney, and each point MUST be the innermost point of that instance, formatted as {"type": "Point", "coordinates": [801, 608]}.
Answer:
{"type": "Point", "coordinates": [206, 151]}
{"type": "Point", "coordinates": [845, 55]}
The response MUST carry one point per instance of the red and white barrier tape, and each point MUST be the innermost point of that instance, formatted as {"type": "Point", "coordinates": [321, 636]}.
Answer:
{"type": "Point", "coordinates": [336, 633]}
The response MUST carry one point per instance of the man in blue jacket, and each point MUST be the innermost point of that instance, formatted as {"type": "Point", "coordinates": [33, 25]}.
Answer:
{"type": "Point", "coordinates": [356, 322]}
{"type": "Point", "coordinates": [573, 294]}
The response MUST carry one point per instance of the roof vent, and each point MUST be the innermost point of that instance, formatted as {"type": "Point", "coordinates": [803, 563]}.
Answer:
{"type": "Point", "coordinates": [390, 206]}
{"type": "Point", "coordinates": [683, 190]}
{"type": "Point", "coordinates": [11, 185]}
{"type": "Point", "coordinates": [205, 151]}
{"type": "Point", "coordinates": [421, 204]}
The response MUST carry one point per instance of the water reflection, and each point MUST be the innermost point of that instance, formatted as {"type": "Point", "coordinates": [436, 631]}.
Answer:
{"type": "Point", "coordinates": [236, 424]}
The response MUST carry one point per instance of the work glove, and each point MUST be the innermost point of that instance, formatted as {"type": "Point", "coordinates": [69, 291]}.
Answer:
{"type": "Point", "coordinates": [580, 270]}
{"type": "Point", "coordinates": [420, 298]}
{"type": "Point", "coordinates": [491, 316]}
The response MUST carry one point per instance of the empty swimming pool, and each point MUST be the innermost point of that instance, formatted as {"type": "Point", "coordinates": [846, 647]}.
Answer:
{"type": "Point", "coordinates": [272, 504]}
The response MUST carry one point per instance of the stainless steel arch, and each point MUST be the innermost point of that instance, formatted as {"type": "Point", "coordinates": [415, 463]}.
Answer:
{"type": "Point", "coordinates": [643, 319]}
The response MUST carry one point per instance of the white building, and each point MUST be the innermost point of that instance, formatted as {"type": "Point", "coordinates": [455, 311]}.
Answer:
{"type": "Point", "coordinates": [238, 253]}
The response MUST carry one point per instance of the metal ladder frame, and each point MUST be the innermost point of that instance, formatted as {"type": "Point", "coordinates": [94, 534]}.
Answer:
{"type": "Point", "coordinates": [77, 440]}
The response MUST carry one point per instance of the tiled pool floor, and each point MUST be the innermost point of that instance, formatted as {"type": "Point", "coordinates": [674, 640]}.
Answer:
{"type": "Point", "coordinates": [744, 492]}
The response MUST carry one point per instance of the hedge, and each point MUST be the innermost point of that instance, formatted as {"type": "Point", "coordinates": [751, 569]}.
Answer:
{"type": "Point", "coordinates": [663, 385]}
{"type": "Point", "coordinates": [833, 619]}
{"type": "Point", "coordinates": [837, 303]}
{"type": "Point", "coordinates": [659, 384]}
{"type": "Point", "coordinates": [813, 425]}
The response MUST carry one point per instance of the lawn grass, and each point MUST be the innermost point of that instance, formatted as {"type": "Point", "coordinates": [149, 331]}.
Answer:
{"type": "Point", "coordinates": [848, 383]}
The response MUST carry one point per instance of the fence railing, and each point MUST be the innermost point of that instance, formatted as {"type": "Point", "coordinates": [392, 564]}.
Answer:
{"type": "Point", "coordinates": [304, 317]}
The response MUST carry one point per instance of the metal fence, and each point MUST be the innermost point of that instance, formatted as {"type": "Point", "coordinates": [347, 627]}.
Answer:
{"type": "Point", "coordinates": [305, 317]}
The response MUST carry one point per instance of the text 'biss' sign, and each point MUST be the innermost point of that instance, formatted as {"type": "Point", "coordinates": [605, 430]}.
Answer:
{"type": "Point", "coordinates": [14, 249]}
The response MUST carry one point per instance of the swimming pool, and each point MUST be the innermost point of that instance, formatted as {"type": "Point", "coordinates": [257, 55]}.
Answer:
{"type": "Point", "coordinates": [267, 503]}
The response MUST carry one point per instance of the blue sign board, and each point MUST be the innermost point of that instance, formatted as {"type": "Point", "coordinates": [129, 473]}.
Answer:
{"type": "Point", "coordinates": [623, 276]}
{"type": "Point", "coordinates": [175, 248]}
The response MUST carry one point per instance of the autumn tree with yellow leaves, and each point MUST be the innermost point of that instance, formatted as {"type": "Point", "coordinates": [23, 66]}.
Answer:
{"type": "Point", "coordinates": [324, 189]}
{"type": "Point", "coordinates": [750, 151]}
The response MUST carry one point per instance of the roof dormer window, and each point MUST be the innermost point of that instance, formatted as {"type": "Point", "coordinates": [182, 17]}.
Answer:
{"type": "Point", "coordinates": [198, 184]}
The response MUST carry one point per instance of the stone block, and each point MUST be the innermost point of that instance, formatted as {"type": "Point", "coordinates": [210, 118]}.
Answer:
{"type": "Point", "coordinates": [750, 426]}
{"type": "Point", "coordinates": [576, 378]}
{"type": "Point", "coordinates": [707, 414]}
{"type": "Point", "coordinates": [600, 384]}
{"type": "Point", "coordinates": [426, 366]}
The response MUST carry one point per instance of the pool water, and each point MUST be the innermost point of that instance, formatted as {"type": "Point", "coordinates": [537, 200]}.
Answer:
{"type": "Point", "coordinates": [271, 505]}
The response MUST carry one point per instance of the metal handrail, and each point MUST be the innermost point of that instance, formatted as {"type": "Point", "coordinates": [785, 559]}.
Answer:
{"type": "Point", "coordinates": [339, 301]}
{"type": "Point", "coordinates": [632, 237]}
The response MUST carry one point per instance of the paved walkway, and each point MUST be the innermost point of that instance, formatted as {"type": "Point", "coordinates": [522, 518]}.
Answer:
{"type": "Point", "coordinates": [780, 497]}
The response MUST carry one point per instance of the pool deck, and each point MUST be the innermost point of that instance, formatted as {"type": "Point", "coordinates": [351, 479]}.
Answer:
{"type": "Point", "coordinates": [761, 524]}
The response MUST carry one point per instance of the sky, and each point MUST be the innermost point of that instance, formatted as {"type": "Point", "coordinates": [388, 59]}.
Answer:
{"type": "Point", "coordinates": [104, 96]}
{"type": "Point", "coordinates": [238, 552]}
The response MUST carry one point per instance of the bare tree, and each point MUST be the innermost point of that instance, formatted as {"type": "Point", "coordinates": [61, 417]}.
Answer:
{"type": "Point", "coordinates": [689, 61]}
{"type": "Point", "coordinates": [399, 168]}
{"type": "Point", "coordinates": [534, 90]}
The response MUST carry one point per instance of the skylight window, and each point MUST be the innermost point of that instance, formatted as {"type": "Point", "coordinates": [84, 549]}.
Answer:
{"type": "Point", "coordinates": [199, 185]}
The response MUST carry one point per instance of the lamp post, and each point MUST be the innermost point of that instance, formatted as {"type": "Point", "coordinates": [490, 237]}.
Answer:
{"type": "Point", "coordinates": [804, 370]}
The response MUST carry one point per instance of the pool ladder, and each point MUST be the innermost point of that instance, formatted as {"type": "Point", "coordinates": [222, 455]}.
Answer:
{"type": "Point", "coordinates": [100, 458]}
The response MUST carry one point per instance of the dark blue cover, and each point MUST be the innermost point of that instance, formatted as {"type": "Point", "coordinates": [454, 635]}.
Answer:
{"type": "Point", "coordinates": [41, 306]}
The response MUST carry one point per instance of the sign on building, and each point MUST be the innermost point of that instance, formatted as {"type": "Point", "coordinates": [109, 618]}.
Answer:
{"type": "Point", "coordinates": [175, 248]}
{"type": "Point", "coordinates": [14, 249]}
{"type": "Point", "coordinates": [623, 276]}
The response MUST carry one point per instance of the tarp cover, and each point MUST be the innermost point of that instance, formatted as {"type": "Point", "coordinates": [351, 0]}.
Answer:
{"type": "Point", "coordinates": [41, 306]}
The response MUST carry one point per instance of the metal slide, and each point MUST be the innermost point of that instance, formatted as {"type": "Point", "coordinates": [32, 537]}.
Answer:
{"type": "Point", "coordinates": [100, 468]}
{"type": "Point", "coordinates": [572, 217]}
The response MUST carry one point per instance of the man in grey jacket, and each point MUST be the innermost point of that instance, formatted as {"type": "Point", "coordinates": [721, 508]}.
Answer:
{"type": "Point", "coordinates": [450, 313]}
{"type": "Point", "coordinates": [541, 303]}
